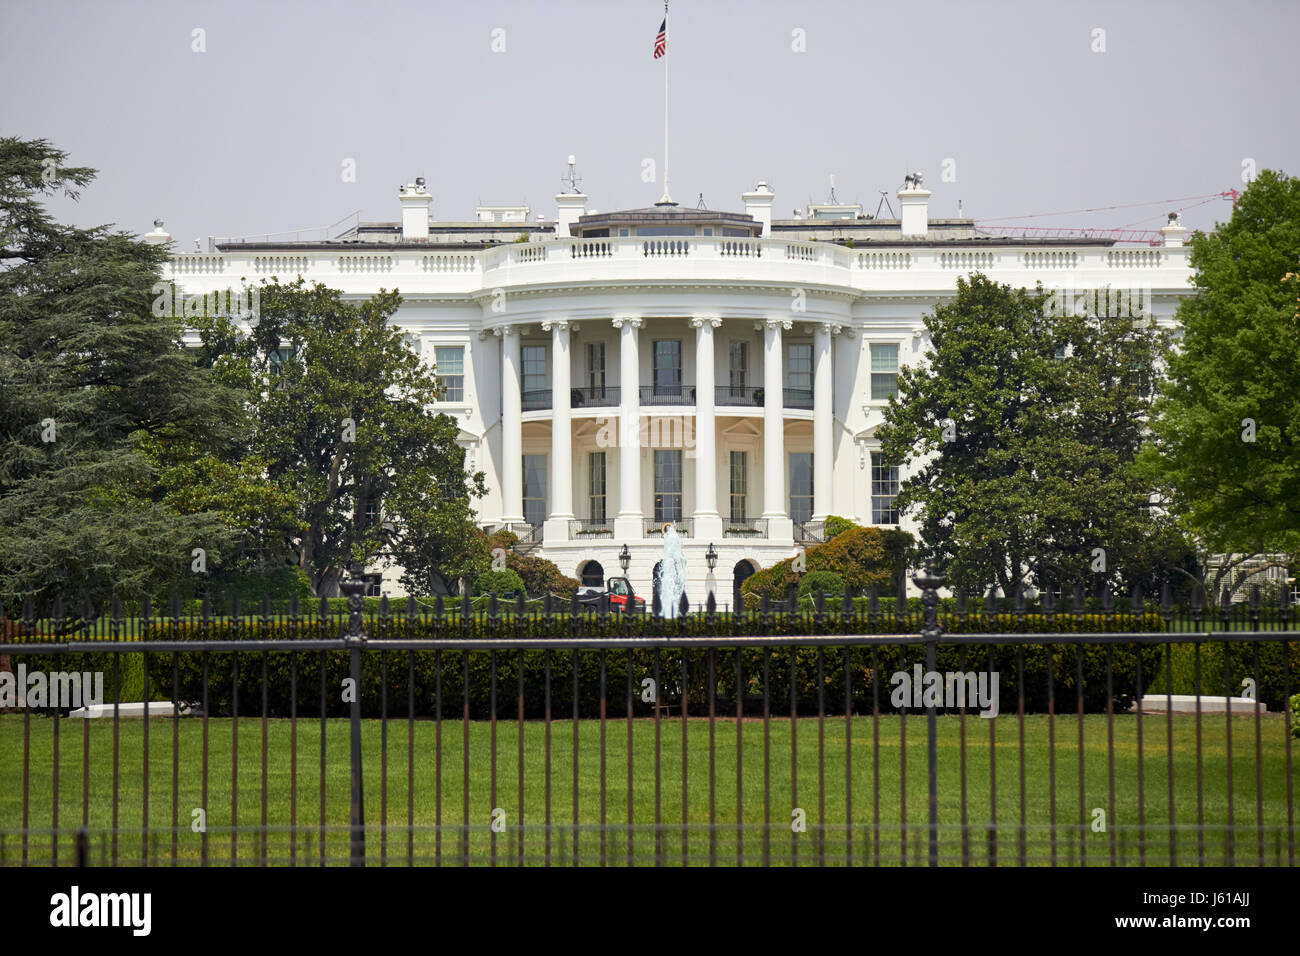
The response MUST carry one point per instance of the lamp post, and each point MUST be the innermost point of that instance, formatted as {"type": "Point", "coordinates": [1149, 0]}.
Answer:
{"type": "Point", "coordinates": [711, 556]}
{"type": "Point", "coordinates": [625, 558]}
{"type": "Point", "coordinates": [711, 582]}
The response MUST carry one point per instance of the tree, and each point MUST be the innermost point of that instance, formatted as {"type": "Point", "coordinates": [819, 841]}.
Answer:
{"type": "Point", "coordinates": [90, 376]}
{"type": "Point", "coordinates": [1227, 428]}
{"type": "Point", "coordinates": [340, 407]}
{"type": "Point", "coordinates": [1024, 423]}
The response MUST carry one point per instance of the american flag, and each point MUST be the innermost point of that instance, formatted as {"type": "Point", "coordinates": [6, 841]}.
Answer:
{"type": "Point", "coordinates": [661, 41]}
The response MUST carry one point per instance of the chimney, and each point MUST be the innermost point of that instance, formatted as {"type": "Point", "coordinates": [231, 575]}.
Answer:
{"type": "Point", "coordinates": [158, 237]}
{"type": "Point", "coordinates": [1174, 231]}
{"type": "Point", "coordinates": [415, 210]}
{"type": "Point", "coordinates": [569, 206]}
{"type": "Point", "coordinates": [759, 205]}
{"type": "Point", "coordinates": [914, 207]}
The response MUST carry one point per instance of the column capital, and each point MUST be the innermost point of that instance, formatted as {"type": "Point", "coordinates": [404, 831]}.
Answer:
{"type": "Point", "coordinates": [562, 324]}
{"type": "Point", "coordinates": [632, 321]}
{"type": "Point", "coordinates": [501, 330]}
{"type": "Point", "coordinates": [772, 323]}
{"type": "Point", "coordinates": [833, 328]}
{"type": "Point", "coordinates": [699, 321]}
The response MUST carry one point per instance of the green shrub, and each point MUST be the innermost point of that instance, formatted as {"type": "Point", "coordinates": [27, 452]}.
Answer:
{"type": "Point", "coordinates": [499, 582]}
{"type": "Point", "coordinates": [1295, 716]}
{"type": "Point", "coordinates": [860, 556]}
{"type": "Point", "coordinates": [828, 582]}
{"type": "Point", "coordinates": [835, 526]}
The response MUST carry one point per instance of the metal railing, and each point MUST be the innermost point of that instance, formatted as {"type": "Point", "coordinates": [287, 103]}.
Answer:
{"type": "Point", "coordinates": [738, 395]}
{"type": "Point", "coordinates": [654, 527]}
{"type": "Point", "coordinates": [667, 394]}
{"type": "Point", "coordinates": [535, 399]}
{"type": "Point", "coordinates": [604, 397]}
{"type": "Point", "coordinates": [536, 736]}
{"type": "Point", "coordinates": [798, 398]}
{"type": "Point", "coordinates": [748, 528]}
{"type": "Point", "coordinates": [589, 528]}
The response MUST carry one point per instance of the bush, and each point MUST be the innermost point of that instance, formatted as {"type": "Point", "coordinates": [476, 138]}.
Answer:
{"type": "Point", "coordinates": [499, 582]}
{"type": "Point", "coordinates": [539, 575]}
{"type": "Point", "coordinates": [860, 556]}
{"type": "Point", "coordinates": [835, 526]}
{"type": "Point", "coordinates": [828, 582]}
{"type": "Point", "coordinates": [1295, 716]}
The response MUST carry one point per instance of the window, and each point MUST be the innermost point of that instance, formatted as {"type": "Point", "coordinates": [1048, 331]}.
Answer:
{"type": "Point", "coordinates": [668, 485]}
{"type": "Point", "coordinates": [535, 371]}
{"type": "Point", "coordinates": [372, 511]}
{"type": "Point", "coordinates": [535, 489]}
{"type": "Point", "coordinates": [801, 487]}
{"type": "Point", "coordinates": [739, 361]}
{"type": "Point", "coordinates": [884, 371]}
{"type": "Point", "coordinates": [1060, 352]}
{"type": "Point", "coordinates": [798, 367]}
{"type": "Point", "coordinates": [593, 575]}
{"type": "Point", "coordinates": [279, 358]}
{"type": "Point", "coordinates": [450, 369]}
{"type": "Point", "coordinates": [596, 369]}
{"type": "Point", "coordinates": [668, 367]}
{"type": "Point", "coordinates": [374, 585]}
{"type": "Point", "coordinates": [739, 476]}
{"type": "Point", "coordinates": [596, 467]}
{"type": "Point", "coordinates": [884, 486]}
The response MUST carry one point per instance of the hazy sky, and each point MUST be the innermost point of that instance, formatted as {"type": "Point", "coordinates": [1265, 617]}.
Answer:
{"type": "Point", "coordinates": [251, 134]}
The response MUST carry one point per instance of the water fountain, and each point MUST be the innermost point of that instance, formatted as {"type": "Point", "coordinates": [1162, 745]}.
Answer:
{"type": "Point", "coordinates": [672, 574]}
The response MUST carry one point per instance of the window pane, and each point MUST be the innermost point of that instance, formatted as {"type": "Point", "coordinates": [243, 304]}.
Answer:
{"type": "Point", "coordinates": [739, 358]}
{"type": "Point", "coordinates": [668, 485]}
{"type": "Point", "coordinates": [739, 469]}
{"type": "Point", "coordinates": [535, 489]}
{"type": "Point", "coordinates": [884, 370]}
{"type": "Point", "coordinates": [801, 487]}
{"type": "Point", "coordinates": [596, 368]}
{"type": "Point", "coordinates": [668, 368]}
{"type": "Point", "coordinates": [798, 369]}
{"type": "Point", "coordinates": [450, 371]}
{"type": "Point", "coordinates": [884, 487]}
{"type": "Point", "coordinates": [596, 464]}
{"type": "Point", "coordinates": [535, 375]}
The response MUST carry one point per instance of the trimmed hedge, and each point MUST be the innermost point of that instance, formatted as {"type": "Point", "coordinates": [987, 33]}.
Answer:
{"type": "Point", "coordinates": [499, 582]}
{"type": "Point", "coordinates": [863, 557]}
{"type": "Point", "coordinates": [828, 582]}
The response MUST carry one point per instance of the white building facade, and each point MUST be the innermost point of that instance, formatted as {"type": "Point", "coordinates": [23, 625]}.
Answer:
{"type": "Point", "coordinates": [723, 372]}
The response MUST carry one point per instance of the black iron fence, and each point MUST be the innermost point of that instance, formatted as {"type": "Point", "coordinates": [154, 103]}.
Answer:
{"type": "Point", "coordinates": [810, 733]}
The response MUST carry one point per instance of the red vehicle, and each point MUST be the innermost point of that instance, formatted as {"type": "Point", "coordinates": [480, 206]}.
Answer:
{"type": "Point", "coordinates": [619, 591]}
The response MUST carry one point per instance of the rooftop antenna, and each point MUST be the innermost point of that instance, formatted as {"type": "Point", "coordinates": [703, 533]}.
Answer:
{"type": "Point", "coordinates": [572, 178]}
{"type": "Point", "coordinates": [884, 201]}
{"type": "Point", "coordinates": [833, 201]}
{"type": "Point", "coordinates": [700, 204]}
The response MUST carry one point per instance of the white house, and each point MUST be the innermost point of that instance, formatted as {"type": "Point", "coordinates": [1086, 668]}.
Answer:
{"type": "Point", "coordinates": [723, 371]}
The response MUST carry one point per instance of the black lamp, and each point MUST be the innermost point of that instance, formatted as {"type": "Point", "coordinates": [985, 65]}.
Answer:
{"type": "Point", "coordinates": [711, 557]}
{"type": "Point", "coordinates": [625, 558]}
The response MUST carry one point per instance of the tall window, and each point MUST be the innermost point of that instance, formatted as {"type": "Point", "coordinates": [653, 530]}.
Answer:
{"type": "Point", "coordinates": [668, 367]}
{"type": "Point", "coordinates": [884, 487]}
{"type": "Point", "coordinates": [535, 370]}
{"type": "Point", "coordinates": [798, 367]}
{"type": "Point", "coordinates": [739, 367]}
{"type": "Point", "coordinates": [535, 489]}
{"type": "Point", "coordinates": [596, 468]}
{"type": "Point", "coordinates": [801, 487]}
{"type": "Point", "coordinates": [884, 370]}
{"type": "Point", "coordinates": [668, 485]}
{"type": "Point", "coordinates": [596, 369]}
{"type": "Point", "coordinates": [739, 482]}
{"type": "Point", "coordinates": [450, 361]}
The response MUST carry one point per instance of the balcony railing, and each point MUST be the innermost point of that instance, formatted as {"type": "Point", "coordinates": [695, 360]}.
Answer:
{"type": "Point", "coordinates": [535, 399]}
{"type": "Point", "coordinates": [746, 395]}
{"type": "Point", "coordinates": [746, 528]}
{"type": "Point", "coordinates": [590, 528]}
{"type": "Point", "coordinates": [667, 394]}
{"type": "Point", "coordinates": [605, 396]}
{"type": "Point", "coordinates": [798, 397]}
{"type": "Point", "coordinates": [810, 532]}
{"type": "Point", "coordinates": [685, 527]}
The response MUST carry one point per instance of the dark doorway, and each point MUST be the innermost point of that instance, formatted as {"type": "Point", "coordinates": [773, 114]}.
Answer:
{"type": "Point", "coordinates": [593, 575]}
{"type": "Point", "coordinates": [742, 571]}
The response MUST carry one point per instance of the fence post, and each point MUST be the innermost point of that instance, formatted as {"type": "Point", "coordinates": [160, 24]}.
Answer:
{"type": "Point", "coordinates": [929, 583]}
{"type": "Point", "coordinates": [355, 639]}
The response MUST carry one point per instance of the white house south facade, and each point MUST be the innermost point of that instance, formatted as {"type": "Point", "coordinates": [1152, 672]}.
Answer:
{"type": "Point", "coordinates": [725, 372]}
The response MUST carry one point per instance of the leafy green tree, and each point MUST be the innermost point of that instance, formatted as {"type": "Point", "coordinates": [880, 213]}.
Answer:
{"type": "Point", "coordinates": [1024, 425]}
{"type": "Point", "coordinates": [89, 378]}
{"type": "Point", "coordinates": [340, 405]}
{"type": "Point", "coordinates": [1227, 425]}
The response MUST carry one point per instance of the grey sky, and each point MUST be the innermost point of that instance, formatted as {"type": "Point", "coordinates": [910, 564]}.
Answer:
{"type": "Point", "coordinates": [250, 135]}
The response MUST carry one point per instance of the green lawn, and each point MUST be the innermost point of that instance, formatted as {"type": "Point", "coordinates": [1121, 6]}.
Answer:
{"type": "Point", "coordinates": [1072, 842]}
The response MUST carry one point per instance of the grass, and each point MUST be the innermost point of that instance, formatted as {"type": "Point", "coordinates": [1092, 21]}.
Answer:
{"type": "Point", "coordinates": [114, 810]}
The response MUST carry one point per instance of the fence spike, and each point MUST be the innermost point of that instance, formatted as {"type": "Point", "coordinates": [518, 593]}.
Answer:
{"type": "Point", "coordinates": [520, 606]}
{"type": "Point", "coordinates": [1166, 599]}
{"type": "Point", "coordinates": [87, 610]}
{"type": "Point", "coordinates": [846, 606]}
{"type": "Point", "coordinates": [684, 606]}
{"type": "Point", "coordinates": [1078, 598]}
{"type": "Point", "coordinates": [1225, 605]}
{"type": "Point", "coordinates": [991, 600]}
{"type": "Point", "coordinates": [175, 608]}
{"type": "Point", "coordinates": [266, 609]}
{"type": "Point", "coordinates": [146, 608]}
{"type": "Point", "coordinates": [1137, 600]}
{"type": "Point", "coordinates": [323, 609]}
{"type": "Point", "coordinates": [1049, 601]}
{"type": "Point", "coordinates": [629, 606]}
{"type": "Point", "coordinates": [1198, 600]}
{"type": "Point", "coordinates": [116, 610]}
{"type": "Point", "coordinates": [438, 607]}
{"type": "Point", "coordinates": [819, 601]}
{"type": "Point", "coordinates": [573, 605]}
{"type": "Point", "coordinates": [293, 607]}
{"type": "Point", "coordinates": [466, 608]}
{"type": "Point", "coordinates": [1255, 601]}
{"type": "Point", "coordinates": [1107, 600]}
{"type": "Point", "coordinates": [764, 604]}
{"type": "Point", "coordinates": [57, 613]}
{"type": "Point", "coordinates": [873, 605]}
{"type": "Point", "coordinates": [385, 610]}
{"type": "Point", "coordinates": [29, 610]}
{"type": "Point", "coordinates": [546, 605]}
{"type": "Point", "coordinates": [961, 604]}
{"type": "Point", "coordinates": [234, 608]}
{"type": "Point", "coordinates": [737, 599]}
{"type": "Point", "coordinates": [711, 605]}
{"type": "Point", "coordinates": [791, 598]}
{"type": "Point", "coordinates": [492, 605]}
{"type": "Point", "coordinates": [658, 611]}
{"type": "Point", "coordinates": [1019, 602]}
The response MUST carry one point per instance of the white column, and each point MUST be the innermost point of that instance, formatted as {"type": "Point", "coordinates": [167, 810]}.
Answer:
{"type": "Point", "coordinates": [823, 421]}
{"type": "Point", "coordinates": [629, 519]}
{"type": "Point", "coordinates": [512, 442]}
{"type": "Point", "coordinates": [708, 523]}
{"type": "Point", "coordinates": [561, 513]}
{"type": "Point", "coordinates": [775, 505]}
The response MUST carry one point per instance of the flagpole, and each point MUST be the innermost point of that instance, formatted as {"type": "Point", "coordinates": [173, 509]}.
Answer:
{"type": "Point", "coordinates": [666, 200]}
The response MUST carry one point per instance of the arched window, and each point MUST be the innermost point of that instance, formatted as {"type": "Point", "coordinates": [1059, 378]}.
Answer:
{"type": "Point", "coordinates": [593, 575]}
{"type": "Point", "coordinates": [742, 570]}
